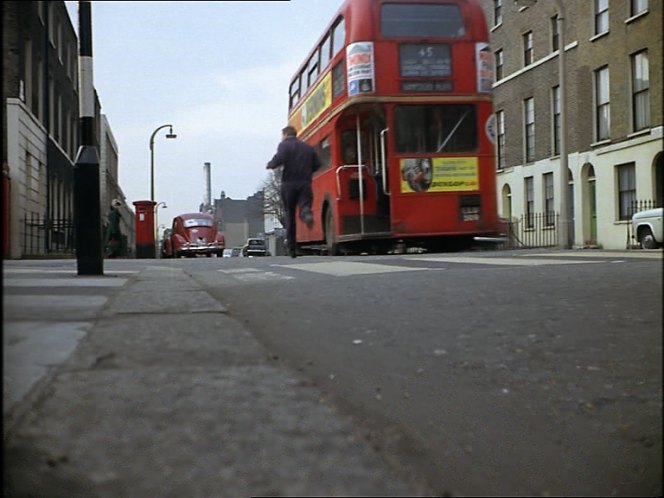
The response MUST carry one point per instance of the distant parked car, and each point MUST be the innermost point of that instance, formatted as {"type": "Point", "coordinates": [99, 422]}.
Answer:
{"type": "Point", "coordinates": [254, 247]}
{"type": "Point", "coordinates": [647, 228]}
{"type": "Point", "coordinates": [236, 252]}
{"type": "Point", "coordinates": [166, 249]}
{"type": "Point", "coordinates": [194, 234]}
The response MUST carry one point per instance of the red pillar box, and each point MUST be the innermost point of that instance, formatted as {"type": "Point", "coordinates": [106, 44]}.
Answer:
{"type": "Point", "coordinates": [145, 243]}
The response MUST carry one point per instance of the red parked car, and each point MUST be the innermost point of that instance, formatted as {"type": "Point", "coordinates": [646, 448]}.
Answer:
{"type": "Point", "coordinates": [193, 234]}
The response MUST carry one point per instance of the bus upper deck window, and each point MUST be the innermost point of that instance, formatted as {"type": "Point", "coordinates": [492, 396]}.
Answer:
{"type": "Point", "coordinates": [421, 21]}
{"type": "Point", "coordinates": [338, 37]}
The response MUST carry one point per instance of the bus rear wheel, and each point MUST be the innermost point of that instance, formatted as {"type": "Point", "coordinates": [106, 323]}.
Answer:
{"type": "Point", "coordinates": [330, 244]}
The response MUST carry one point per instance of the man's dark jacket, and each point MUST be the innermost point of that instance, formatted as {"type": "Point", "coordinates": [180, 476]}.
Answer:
{"type": "Point", "coordinates": [298, 158]}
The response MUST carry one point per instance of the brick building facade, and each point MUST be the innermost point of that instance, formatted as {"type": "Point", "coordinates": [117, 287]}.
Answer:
{"type": "Point", "coordinates": [40, 132]}
{"type": "Point", "coordinates": [613, 72]}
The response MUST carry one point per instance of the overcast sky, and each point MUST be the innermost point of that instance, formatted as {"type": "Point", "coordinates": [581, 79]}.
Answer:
{"type": "Point", "coordinates": [217, 71]}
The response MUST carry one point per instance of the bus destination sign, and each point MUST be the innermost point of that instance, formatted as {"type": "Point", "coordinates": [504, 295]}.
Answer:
{"type": "Point", "coordinates": [425, 60]}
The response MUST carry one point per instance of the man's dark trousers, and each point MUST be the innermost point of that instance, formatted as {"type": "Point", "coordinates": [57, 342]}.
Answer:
{"type": "Point", "coordinates": [294, 194]}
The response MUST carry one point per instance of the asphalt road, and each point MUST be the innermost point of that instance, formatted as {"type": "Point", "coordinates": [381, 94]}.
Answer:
{"type": "Point", "coordinates": [527, 373]}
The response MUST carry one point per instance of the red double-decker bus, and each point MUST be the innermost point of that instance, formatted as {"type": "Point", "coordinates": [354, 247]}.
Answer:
{"type": "Point", "coordinates": [396, 98]}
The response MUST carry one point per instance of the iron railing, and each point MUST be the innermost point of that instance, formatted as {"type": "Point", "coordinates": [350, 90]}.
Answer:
{"type": "Point", "coordinates": [533, 230]}
{"type": "Point", "coordinates": [43, 236]}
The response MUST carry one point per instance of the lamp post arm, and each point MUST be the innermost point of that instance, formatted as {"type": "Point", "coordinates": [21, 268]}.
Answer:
{"type": "Point", "coordinates": [154, 133]}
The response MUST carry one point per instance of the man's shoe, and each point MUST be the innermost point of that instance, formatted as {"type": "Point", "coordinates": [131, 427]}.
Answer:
{"type": "Point", "coordinates": [308, 218]}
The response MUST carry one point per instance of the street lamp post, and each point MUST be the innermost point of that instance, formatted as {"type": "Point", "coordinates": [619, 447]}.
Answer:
{"type": "Point", "coordinates": [170, 134]}
{"type": "Point", "coordinates": [156, 218]}
{"type": "Point", "coordinates": [563, 181]}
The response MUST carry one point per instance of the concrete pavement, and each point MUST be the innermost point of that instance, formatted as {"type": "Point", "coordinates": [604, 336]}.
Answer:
{"type": "Point", "coordinates": [138, 383]}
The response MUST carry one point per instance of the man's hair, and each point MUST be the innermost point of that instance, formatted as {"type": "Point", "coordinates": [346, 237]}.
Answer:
{"type": "Point", "coordinates": [289, 131]}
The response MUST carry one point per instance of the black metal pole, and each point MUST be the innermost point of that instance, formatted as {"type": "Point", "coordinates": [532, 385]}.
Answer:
{"type": "Point", "coordinates": [87, 209]}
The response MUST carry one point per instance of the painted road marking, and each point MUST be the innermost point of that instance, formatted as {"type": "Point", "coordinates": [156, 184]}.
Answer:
{"type": "Point", "coordinates": [349, 268]}
{"type": "Point", "coordinates": [501, 261]}
{"type": "Point", "coordinates": [254, 275]}
{"type": "Point", "coordinates": [615, 254]}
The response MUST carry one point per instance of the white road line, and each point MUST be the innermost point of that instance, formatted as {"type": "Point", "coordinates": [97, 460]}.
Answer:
{"type": "Point", "coordinates": [502, 261]}
{"type": "Point", "coordinates": [349, 268]}
{"type": "Point", "coordinates": [240, 270]}
{"type": "Point", "coordinates": [615, 254]}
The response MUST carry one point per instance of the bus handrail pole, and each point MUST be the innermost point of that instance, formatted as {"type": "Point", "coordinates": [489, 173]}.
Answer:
{"type": "Point", "coordinates": [359, 172]}
{"type": "Point", "coordinates": [383, 160]}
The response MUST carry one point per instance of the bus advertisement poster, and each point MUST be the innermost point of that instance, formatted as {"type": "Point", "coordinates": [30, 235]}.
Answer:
{"type": "Point", "coordinates": [319, 100]}
{"type": "Point", "coordinates": [440, 174]}
{"type": "Point", "coordinates": [484, 67]}
{"type": "Point", "coordinates": [360, 68]}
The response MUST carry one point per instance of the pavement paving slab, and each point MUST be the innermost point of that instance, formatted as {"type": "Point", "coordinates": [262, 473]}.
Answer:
{"type": "Point", "coordinates": [166, 395]}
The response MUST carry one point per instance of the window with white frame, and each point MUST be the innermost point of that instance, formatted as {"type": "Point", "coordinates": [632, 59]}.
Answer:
{"type": "Point", "coordinates": [530, 202]}
{"type": "Point", "coordinates": [529, 128]}
{"type": "Point", "coordinates": [601, 16]}
{"type": "Point", "coordinates": [528, 48]}
{"type": "Point", "coordinates": [547, 180]}
{"type": "Point", "coordinates": [626, 190]}
{"type": "Point", "coordinates": [497, 12]}
{"type": "Point", "coordinates": [638, 6]}
{"type": "Point", "coordinates": [500, 125]}
{"type": "Point", "coordinates": [602, 101]}
{"type": "Point", "coordinates": [555, 114]}
{"type": "Point", "coordinates": [640, 91]}
{"type": "Point", "coordinates": [498, 57]}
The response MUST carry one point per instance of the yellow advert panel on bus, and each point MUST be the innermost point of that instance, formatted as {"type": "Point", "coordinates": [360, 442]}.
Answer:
{"type": "Point", "coordinates": [440, 174]}
{"type": "Point", "coordinates": [319, 100]}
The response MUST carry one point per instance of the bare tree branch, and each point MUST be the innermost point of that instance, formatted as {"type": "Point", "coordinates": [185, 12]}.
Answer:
{"type": "Point", "coordinates": [272, 196]}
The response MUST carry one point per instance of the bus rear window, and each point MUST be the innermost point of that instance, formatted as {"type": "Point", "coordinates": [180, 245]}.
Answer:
{"type": "Point", "coordinates": [423, 20]}
{"type": "Point", "coordinates": [435, 128]}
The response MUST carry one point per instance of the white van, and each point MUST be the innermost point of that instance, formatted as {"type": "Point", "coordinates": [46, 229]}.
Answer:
{"type": "Point", "coordinates": [647, 228]}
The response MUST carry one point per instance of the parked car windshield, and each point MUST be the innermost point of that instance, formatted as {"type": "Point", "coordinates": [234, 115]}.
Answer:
{"type": "Point", "coordinates": [256, 243]}
{"type": "Point", "coordinates": [197, 222]}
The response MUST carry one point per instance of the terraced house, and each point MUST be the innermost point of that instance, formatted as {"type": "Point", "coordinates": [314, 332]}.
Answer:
{"type": "Point", "coordinates": [40, 133]}
{"type": "Point", "coordinates": [611, 127]}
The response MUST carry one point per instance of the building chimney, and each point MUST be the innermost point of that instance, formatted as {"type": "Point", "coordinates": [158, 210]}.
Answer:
{"type": "Point", "coordinates": [208, 185]}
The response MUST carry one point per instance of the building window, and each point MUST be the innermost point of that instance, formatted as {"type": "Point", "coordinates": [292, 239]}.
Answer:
{"type": "Point", "coordinates": [601, 16]}
{"type": "Point", "coordinates": [529, 128]}
{"type": "Point", "coordinates": [638, 6]}
{"type": "Point", "coordinates": [555, 36]}
{"type": "Point", "coordinates": [555, 113]}
{"type": "Point", "coordinates": [640, 91]}
{"type": "Point", "coordinates": [497, 12]}
{"type": "Point", "coordinates": [528, 48]}
{"type": "Point", "coordinates": [530, 202]}
{"type": "Point", "coordinates": [602, 110]}
{"type": "Point", "coordinates": [498, 56]}
{"type": "Point", "coordinates": [500, 125]}
{"type": "Point", "coordinates": [626, 190]}
{"type": "Point", "coordinates": [550, 215]}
